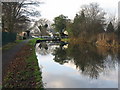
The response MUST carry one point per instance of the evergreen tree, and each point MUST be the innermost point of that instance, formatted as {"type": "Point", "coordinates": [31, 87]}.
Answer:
{"type": "Point", "coordinates": [110, 28]}
{"type": "Point", "coordinates": [60, 23]}
{"type": "Point", "coordinates": [118, 30]}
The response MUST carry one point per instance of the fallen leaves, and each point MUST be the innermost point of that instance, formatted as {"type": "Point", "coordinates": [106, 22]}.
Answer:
{"type": "Point", "coordinates": [21, 72]}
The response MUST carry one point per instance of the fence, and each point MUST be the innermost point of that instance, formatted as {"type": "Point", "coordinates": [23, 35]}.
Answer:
{"type": "Point", "coordinates": [8, 37]}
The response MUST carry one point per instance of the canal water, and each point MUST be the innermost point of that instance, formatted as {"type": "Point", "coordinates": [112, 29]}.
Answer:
{"type": "Point", "coordinates": [67, 65]}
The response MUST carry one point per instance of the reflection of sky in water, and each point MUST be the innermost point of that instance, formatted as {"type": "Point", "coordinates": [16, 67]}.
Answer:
{"type": "Point", "coordinates": [67, 76]}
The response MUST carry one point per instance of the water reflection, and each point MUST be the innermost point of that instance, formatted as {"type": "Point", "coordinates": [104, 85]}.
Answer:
{"type": "Point", "coordinates": [86, 58]}
{"type": "Point", "coordinates": [42, 47]}
{"type": "Point", "coordinates": [60, 54]}
{"type": "Point", "coordinates": [90, 61]}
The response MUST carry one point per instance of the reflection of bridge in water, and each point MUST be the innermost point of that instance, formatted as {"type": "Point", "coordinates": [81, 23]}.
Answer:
{"type": "Point", "coordinates": [48, 46]}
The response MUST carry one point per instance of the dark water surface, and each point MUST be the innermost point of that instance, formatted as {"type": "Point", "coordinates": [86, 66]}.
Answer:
{"type": "Point", "coordinates": [77, 66]}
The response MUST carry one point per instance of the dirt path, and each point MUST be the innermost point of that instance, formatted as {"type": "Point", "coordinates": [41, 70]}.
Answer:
{"type": "Point", "coordinates": [22, 69]}
{"type": "Point", "coordinates": [10, 54]}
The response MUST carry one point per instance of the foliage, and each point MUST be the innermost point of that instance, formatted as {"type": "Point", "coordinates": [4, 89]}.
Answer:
{"type": "Point", "coordinates": [60, 23]}
{"type": "Point", "coordinates": [118, 30]}
{"type": "Point", "coordinates": [79, 24]}
{"type": "Point", "coordinates": [110, 28]}
{"type": "Point", "coordinates": [88, 22]}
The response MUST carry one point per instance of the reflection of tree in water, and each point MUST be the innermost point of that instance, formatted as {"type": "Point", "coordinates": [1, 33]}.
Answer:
{"type": "Point", "coordinates": [118, 57]}
{"type": "Point", "coordinates": [61, 54]}
{"type": "Point", "coordinates": [42, 48]}
{"type": "Point", "coordinates": [86, 58]}
{"type": "Point", "coordinates": [105, 51]}
{"type": "Point", "coordinates": [111, 56]}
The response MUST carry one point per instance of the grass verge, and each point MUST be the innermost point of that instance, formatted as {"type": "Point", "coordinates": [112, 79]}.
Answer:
{"type": "Point", "coordinates": [23, 71]}
{"type": "Point", "coordinates": [37, 73]}
{"type": "Point", "coordinates": [65, 39]}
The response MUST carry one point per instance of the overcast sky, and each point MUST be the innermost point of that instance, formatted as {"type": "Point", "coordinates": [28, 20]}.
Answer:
{"type": "Point", "coordinates": [53, 8]}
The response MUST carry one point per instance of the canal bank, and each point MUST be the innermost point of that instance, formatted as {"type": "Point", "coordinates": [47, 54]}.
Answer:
{"type": "Point", "coordinates": [23, 70]}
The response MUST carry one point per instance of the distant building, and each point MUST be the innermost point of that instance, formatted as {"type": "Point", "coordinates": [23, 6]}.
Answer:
{"type": "Point", "coordinates": [65, 32]}
{"type": "Point", "coordinates": [24, 35]}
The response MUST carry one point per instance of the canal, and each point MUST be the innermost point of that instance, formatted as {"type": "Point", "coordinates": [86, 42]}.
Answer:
{"type": "Point", "coordinates": [67, 65]}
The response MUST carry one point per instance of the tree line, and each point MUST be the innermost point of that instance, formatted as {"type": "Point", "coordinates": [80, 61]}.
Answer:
{"type": "Point", "coordinates": [87, 24]}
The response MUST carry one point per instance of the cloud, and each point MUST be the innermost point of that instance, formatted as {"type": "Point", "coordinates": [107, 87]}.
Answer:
{"type": "Point", "coordinates": [119, 9]}
{"type": "Point", "coordinates": [53, 8]}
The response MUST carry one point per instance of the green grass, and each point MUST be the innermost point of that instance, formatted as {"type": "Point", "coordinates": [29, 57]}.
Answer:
{"type": "Point", "coordinates": [37, 72]}
{"type": "Point", "coordinates": [33, 59]}
{"type": "Point", "coordinates": [33, 41]}
{"type": "Point", "coordinates": [65, 39]}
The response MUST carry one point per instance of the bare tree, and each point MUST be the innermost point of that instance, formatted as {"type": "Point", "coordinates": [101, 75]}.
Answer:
{"type": "Point", "coordinates": [95, 17]}
{"type": "Point", "coordinates": [16, 14]}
